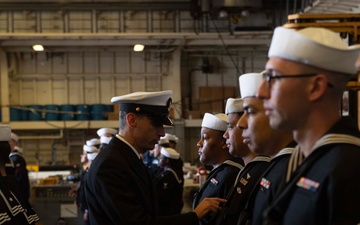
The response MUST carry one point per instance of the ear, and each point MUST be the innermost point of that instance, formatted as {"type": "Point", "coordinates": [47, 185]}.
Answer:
{"type": "Point", "coordinates": [131, 119]}
{"type": "Point", "coordinates": [318, 87]}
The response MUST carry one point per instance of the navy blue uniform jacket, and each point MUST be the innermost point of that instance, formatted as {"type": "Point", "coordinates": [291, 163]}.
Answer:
{"type": "Point", "coordinates": [237, 199]}
{"type": "Point", "coordinates": [326, 191]}
{"type": "Point", "coordinates": [169, 190]}
{"type": "Point", "coordinates": [14, 209]}
{"type": "Point", "coordinates": [269, 184]}
{"type": "Point", "coordinates": [21, 173]}
{"type": "Point", "coordinates": [119, 190]}
{"type": "Point", "coordinates": [218, 184]}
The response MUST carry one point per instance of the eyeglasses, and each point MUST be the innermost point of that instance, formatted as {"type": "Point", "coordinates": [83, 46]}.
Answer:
{"type": "Point", "coordinates": [268, 77]}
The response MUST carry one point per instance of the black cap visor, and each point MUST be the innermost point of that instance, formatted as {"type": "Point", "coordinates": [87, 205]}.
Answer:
{"type": "Point", "coordinates": [157, 113]}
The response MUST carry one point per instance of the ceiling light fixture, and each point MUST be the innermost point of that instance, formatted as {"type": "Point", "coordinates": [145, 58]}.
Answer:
{"type": "Point", "coordinates": [138, 47]}
{"type": "Point", "coordinates": [223, 14]}
{"type": "Point", "coordinates": [38, 48]}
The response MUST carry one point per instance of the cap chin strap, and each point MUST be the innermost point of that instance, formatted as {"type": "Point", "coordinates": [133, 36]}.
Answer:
{"type": "Point", "coordinates": [145, 109]}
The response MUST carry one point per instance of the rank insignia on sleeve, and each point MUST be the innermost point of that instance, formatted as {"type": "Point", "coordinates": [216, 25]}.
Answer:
{"type": "Point", "coordinates": [265, 183]}
{"type": "Point", "coordinates": [243, 181]}
{"type": "Point", "coordinates": [214, 181]}
{"type": "Point", "coordinates": [308, 184]}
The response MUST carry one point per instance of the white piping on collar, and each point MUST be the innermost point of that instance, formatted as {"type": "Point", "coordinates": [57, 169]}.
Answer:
{"type": "Point", "coordinates": [284, 151]}
{"type": "Point", "coordinates": [122, 139]}
{"type": "Point", "coordinates": [176, 176]}
{"type": "Point", "coordinates": [297, 157]}
{"type": "Point", "coordinates": [232, 163]}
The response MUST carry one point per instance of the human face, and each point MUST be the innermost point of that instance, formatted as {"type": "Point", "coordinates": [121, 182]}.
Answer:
{"type": "Point", "coordinates": [163, 161]}
{"type": "Point", "coordinates": [257, 133]}
{"type": "Point", "coordinates": [233, 136]}
{"type": "Point", "coordinates": [147, 133]}
{"type": "Point", "coordinates": [12, 144]}
{"type": "Point", "coordinates": [83, 157]}
{"type": "Point", "coordinates": [156, 151]}
{"type": "Point", "coordinates": [285, 100]}
{"type": "Point", "coordinates": [211, 146]}
{"type": "Point", "coordinates": [172, 144]}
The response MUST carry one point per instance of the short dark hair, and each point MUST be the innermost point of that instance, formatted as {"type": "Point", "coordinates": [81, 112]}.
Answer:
{"type": "Point", "coordinates": [122, 115]}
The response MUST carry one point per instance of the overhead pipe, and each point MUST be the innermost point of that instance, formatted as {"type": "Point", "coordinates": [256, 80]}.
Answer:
{"type": "Point", "coordinates": [37, 137]}
{"type": "Point", "coordinates": [49, 76]}
{"type": "Point", "coordinates": [19, 5]}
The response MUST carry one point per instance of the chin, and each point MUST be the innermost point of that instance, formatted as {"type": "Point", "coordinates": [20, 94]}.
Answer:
{"type": "Point", "coordinates": [274, 124]}
{"type": "Point", "coordinates": [254, 149]}
{"type": "Point", "coordinates": [234, 153]}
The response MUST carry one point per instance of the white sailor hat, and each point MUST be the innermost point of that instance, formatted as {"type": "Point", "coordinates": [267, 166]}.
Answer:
{"type": "Point", "coordinates": [105, 140]}
{"type": "Point", "coordinates": [17, 148]}
{"type": "Point", "coordinates": [170, 153]}
{"type": "Point", "coordinates": [154, 104]}
{"type": "Point", "coordinates": [93, 142]}
{"type": "Point", "coordinates": [5, 133]}
{"type": "Point", "coordinates": [14, 137]}
{"type": "Point", "coordinates": [234, 105]}
{"type": "Point", "coordinates": [215, 122]}
{"type": "Point", "coordinates": [92, 156]}
{"type": "Point", "coordinates": [105, 130]}
{"type": "Point", "coordinates": [315, 46]}
{"type": "Point", "coordinates": [163, 140]}
{"type": "Point", "coordinates": [172, 137]}
{"type": "Point", "coordinates": [249, 84]}
{"type": "Point", "coordinates": [91, 151]}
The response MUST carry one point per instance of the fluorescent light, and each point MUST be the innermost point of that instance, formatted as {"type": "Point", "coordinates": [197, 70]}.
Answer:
{"type": "Point", "coordinates": [138, 48]}
{"type": "Point", "coordinates": [223, 14]}
{"type": "Point", "coordinates": [38, 48]}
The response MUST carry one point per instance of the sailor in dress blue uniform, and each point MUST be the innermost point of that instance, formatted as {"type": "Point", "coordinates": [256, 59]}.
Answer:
{"type": "Point", "coordinates": [257, 133]}
{"type": "Point", "coordinates": [169, 184]}
{"type": "Point", "coordinates": [317, 64]}
{"type": "Point", "coordinates": [213, 151]}
{"type": "Point", "coordinates": [14, 208]}
{"type": "Point", "coordinates": [119, 188]}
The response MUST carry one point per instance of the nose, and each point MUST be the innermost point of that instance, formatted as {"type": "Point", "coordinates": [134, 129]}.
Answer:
{"type": "Point", "coordinates": [242, 122]}
{"type": "Point", "coordinates": [199, 144]}
{"type": "Point", "coordinates": [161, 131]}
{"type": "Point", "coordinates": [264, 90]}
{"type": "Point", "coordinates": [226, 134]}
{"type": "Point", "coordinates": [358, 63]}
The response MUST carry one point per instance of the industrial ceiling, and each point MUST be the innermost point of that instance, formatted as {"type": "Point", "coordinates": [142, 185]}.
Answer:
{"type": "Point", "coordinates": [276, 10]}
